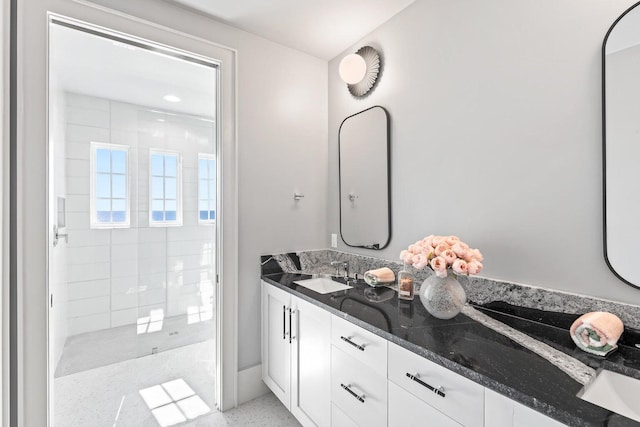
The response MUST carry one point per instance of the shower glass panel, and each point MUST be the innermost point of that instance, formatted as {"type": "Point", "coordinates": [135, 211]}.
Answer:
{"type": "Point", "coordinates": [175, 250]}
{"type": "Point", "coordinates": [134, 135]}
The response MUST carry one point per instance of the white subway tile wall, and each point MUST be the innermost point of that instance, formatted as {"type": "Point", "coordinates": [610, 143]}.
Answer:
{"type": "Point", "coordinates": [117, 276]}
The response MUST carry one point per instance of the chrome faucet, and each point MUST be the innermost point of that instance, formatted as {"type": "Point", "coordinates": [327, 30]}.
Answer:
{"type": "Point", "coordinates": [345, 266]}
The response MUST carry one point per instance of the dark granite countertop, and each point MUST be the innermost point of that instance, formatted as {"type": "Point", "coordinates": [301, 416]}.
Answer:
{"type": "Point", "coordinates": [477, 352]}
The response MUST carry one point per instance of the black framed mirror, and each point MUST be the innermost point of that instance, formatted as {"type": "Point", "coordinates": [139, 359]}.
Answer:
{"type": "Point", "coordinates": [621, 145]}
{"type": "Point", "coordinates": [363, 155]}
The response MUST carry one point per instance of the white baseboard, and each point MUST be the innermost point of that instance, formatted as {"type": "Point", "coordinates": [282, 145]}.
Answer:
{"type": "Point", "coordinates": [250, 385]}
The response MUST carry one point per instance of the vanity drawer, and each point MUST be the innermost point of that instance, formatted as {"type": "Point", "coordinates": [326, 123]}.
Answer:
{"type": "Point", "coordinates": [340, 419]}
{"type": "Point", "coordinates": [406, 410]}
{"type": "Point", "coordinates": [453, 395]}
{"type": "Point", "coordinates": [365, 346]}
{"type": "Point", "coordinates": [358, 390]}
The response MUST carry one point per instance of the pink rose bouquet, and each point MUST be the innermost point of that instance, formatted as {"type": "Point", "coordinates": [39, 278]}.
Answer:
{"type": "Point", "coordinates": [442, 253]}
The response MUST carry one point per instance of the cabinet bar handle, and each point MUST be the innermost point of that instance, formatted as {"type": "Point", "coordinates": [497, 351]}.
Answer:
{"type": "Point", "coordinates": [284, 322]}
{"type": "Point", "coordinates": [291, 337]}
{"type": "Point", "coordinates": [348, 341]}
{"type": "Point", "coordinates": [437, 390]}
{"type": "Point", "coordinates": [353, 393]}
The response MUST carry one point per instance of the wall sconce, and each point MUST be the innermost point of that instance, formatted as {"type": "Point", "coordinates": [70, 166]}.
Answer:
{"type": "Point", "coordinates": [360, 70]}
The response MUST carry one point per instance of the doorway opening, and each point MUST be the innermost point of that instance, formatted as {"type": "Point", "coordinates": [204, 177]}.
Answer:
{"type": "Point", "coordinates": [133, 186]}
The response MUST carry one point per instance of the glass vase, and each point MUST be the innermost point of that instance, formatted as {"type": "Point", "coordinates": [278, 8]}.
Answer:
{"type": "Point", "coordinates": [443, 297]}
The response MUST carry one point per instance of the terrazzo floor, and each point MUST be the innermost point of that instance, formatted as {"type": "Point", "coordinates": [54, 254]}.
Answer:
{"type": "Point", "coordinates": [174, 387]}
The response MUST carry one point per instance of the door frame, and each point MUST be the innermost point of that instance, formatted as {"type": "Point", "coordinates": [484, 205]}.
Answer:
{"type": "Point", "coordinates": [29, 367]}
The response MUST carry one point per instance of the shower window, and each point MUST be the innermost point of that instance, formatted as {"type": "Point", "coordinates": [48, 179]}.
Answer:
{"type": "Point", "coordinates": [206, 188]}
{"type": "Point", "coordinates": [165, 181]}
{"type": "Point", "coordinates": [109, 198]}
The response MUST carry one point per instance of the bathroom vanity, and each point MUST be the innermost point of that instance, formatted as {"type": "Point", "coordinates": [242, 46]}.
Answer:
{"type": "Point", "coordinates": [363, 357]}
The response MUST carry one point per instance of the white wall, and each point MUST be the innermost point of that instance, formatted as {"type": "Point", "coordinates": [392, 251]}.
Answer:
{"type": "Point", "coordinates": [282, 148]}
{"type": "Point", "coordinates": [116, 276]}
{"type": "Point", "coordinates": [495, 135]}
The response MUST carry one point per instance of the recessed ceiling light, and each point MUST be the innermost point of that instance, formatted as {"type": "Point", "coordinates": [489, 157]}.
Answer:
{"type": "Point", "coordinates": [171, 98]}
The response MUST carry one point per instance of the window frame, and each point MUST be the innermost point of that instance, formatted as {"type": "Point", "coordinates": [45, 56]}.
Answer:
{"type": "Point", "coordinates": [93, 216]}
{"type": "Point", "coordinates": [178, 222]}
{"type": "Point", "coordinates": [206, 156]}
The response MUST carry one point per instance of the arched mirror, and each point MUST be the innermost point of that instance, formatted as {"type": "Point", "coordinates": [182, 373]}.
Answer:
{"type": "Point", "coordinates": [364, 179]}
{"type": "Point", "coordinates": [621, 146]}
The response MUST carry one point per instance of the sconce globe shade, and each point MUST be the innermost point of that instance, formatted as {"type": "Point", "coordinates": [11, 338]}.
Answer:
{"type": "Point", "coordinates": [352, 69]}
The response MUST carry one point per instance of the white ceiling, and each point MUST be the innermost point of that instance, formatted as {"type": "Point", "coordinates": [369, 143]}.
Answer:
{"type": "Point", "coordinates": [322, 28]}
{"type": "Point", "coordinates": [93, 65]}
{"type": "Point", "coordinates": [97, 66]}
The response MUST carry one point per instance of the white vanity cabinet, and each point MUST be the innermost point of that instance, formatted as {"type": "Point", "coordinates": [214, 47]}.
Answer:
{"type": "Point", "coordinates": [296, 355]}
{"type": "Point", "coordinates": [500, 411]}
{"type": "Point", "coordinates": [330, 372]}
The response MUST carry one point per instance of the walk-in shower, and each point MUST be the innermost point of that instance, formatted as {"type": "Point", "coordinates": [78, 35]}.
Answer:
{"type": "Point", "coordinates": [132, 194]}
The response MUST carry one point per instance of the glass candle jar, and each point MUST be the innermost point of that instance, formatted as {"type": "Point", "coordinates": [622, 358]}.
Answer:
{"type": "Point", "coordinates": [405, 284]}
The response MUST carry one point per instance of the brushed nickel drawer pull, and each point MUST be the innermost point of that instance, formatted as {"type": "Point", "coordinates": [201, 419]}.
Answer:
{"type": "Point", "coordinates": [348, 341]}
{"type": "Point", "coordinates": [291, 336]}
{"type": "Point", "coordinates": [437, 390]}
{"type": "Point", "coordinates": [353, 393]}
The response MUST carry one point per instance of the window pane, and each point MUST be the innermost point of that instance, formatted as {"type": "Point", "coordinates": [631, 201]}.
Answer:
{"type": "Point", "coordinates": [157, 210]}
{"type": "Point", "coordinates": [171, 210]}
{"type": "Point", "coordinates": [119, 216]}
{"type": "Point", "coordinates": [171, 165]}
{"type": "Point", "coordinates": [157, 165]}
{"type": "Point", "coordinates": [212, 215]}
{"type": "Point", "coordinates": [103, 216]}
{"type": "Point", "coordinates": [109, 194]}
{"type": "Point", "coordinates": [118, 161]}
{"type": "Point", "coordinates": [202, 189]}
{"type": "Point", "coordinates": [119, 186]}
{"type": "Point", "coordinates": [103, 160]}
{"type": "Point", "coordinates": [103, 210]}
{"type": "Point", "coordinates": [170, 205]}
{"type": "Point", "coordinates": [103, 185]}
{"type": "Point", "coordinates": [212, 168]}
{"type": "Point", "coordinates": [157, 188]}
{"type": "Point", "coordinates": [202, 168]}
{"type": "Point", "coordinates": [118, 205]}
{"type": "Point", "coordinates": [170, 191]}
{"type": "Point", "coordinates": [212, 190]}
{"type": "Point", "coordinates": [204, 215]}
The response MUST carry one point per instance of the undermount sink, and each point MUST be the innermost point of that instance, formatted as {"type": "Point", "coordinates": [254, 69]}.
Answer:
{"type": "Point", "coordinates": [322, 285]}
{"type": "Point", "coordinates": [615, 392]}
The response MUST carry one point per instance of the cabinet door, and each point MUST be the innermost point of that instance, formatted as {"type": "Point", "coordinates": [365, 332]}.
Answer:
{"type": "Point", "coordinates": [311, 364]}
{"type": "Point", "coordinates": [500, 411]}
{"type": "Point", "coordinates": [406, 410]}
{"type": "Point", "coordinates": [276, 349]}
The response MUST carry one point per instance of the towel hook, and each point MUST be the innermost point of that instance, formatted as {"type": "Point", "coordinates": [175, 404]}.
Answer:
{"type": "Point", "coordinates": [352, 197]}
{"type": "Point", "coordinates": [297, 196]}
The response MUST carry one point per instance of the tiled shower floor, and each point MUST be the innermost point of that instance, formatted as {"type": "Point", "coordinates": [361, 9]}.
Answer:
{"type": "Point", "coordinates": [108, 346]}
